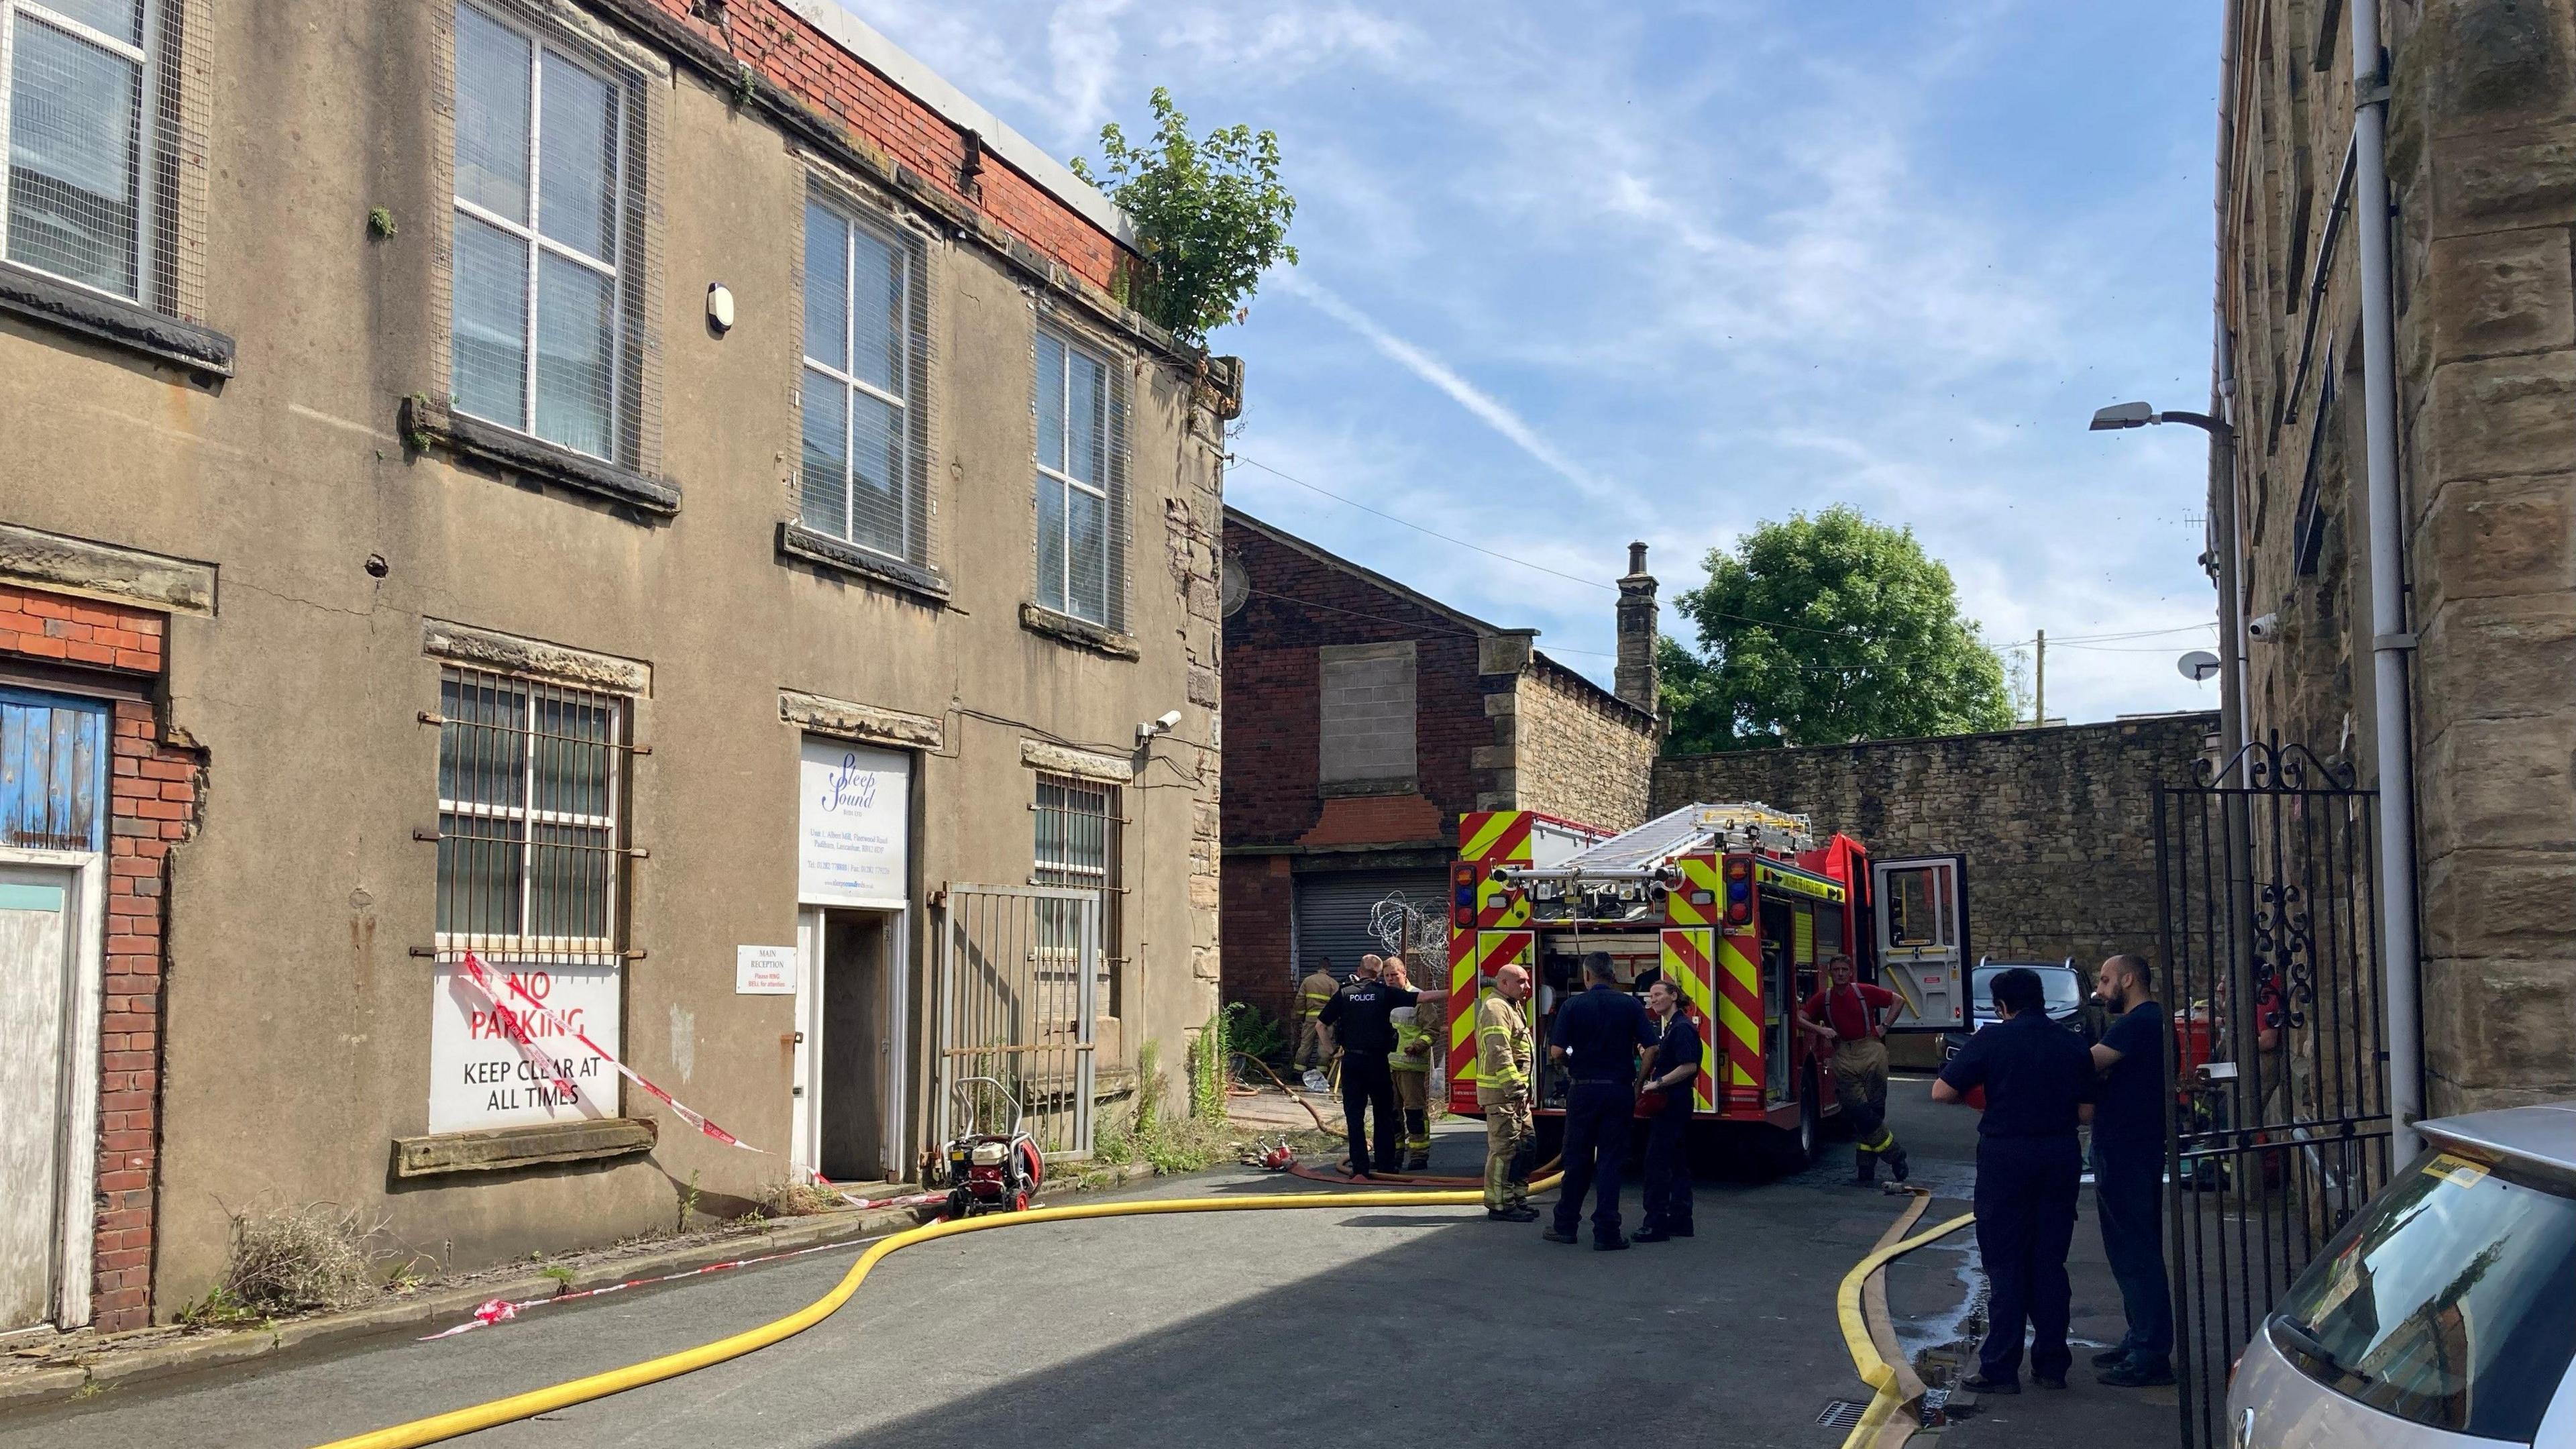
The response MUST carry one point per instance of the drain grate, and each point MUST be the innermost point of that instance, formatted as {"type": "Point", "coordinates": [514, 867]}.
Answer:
{"type": "Point", "coordinates": [1840, 1413]}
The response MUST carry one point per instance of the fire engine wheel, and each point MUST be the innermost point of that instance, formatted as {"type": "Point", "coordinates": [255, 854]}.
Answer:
{"type": "Point", "coordinates": [1796, 1149]}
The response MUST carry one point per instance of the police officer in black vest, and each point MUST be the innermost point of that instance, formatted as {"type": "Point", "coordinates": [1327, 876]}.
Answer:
{"type": "Point", "coordinates": [1361, 1020]}
{"type": "Point", "coordinates": [2039, 1082]}
{"type": "Point", "coordinates": [1596, 1039]}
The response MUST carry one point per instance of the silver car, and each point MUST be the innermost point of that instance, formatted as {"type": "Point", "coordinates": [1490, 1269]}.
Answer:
{"type": "Point", "coordinates": [2444, 1315]}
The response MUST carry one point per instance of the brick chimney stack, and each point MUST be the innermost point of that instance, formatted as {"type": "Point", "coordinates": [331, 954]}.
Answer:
{"type": "Point", "coordinates": [1639, 683]}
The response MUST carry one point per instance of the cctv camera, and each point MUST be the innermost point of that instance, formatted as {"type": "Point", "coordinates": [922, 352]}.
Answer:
{"type": "Point", "coordinates": [2266, 628]}
{"type": "Point", "coordinates": [1168, 721]}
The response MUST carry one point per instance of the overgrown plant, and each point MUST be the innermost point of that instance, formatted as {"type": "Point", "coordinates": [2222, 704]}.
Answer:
{"type": "Point", "coordinates": [1210, 216]}
{"type": "Point", "coordinates": [320, 1255]}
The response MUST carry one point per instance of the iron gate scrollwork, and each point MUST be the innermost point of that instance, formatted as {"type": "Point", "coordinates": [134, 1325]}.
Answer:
{"type": "Point", "coordinates": [2277, 1129]}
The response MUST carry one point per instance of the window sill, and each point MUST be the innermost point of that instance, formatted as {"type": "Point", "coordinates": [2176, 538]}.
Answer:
{"type": "Point", "coordinates": [1079, 632]}
{"type": "Point", "coordinates": [797, 541]}
{"type": "Point", "coordinates": [115, 323]}
{"type": "Point", "coordinates": [427, 421]}
{"type": "Point", "coordinates": [499, 1149]}
{"type": "Point", "coordinates": [1347, 789]}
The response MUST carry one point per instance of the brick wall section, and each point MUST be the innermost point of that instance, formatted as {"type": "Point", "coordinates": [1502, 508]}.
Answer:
{"type": "Point", "coordinates": [1298, 605]}
{"type": "Point", "coordinates": [1259, 892]}
{"type": "Point", "coordinates": [154, 792]}
{"type": "Point", "coordinates": [1581, 754]}
{"type": "Point", "coordinates": [2058, 825]}
{"type": "Point", "coordinates": [791, 54]}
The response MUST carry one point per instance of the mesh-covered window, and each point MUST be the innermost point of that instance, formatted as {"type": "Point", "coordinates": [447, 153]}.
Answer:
{"type": "Point", "coordinates": [531, 795]}
{"type": "Point", "coordinates": [547, 186]}
{"type": "Point", "coordinates": [1081, 406]}
{"type": "Point", "coordinates": [92, 132]}
{"type": "Point", "coordinates": [1077, 846]}
{"type": "Point", "coordinates": [865, 475]}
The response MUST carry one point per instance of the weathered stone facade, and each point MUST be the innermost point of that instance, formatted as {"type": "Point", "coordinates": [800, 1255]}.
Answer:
{"type": "Point", "coordinates": [2057, 824]}
{"type": "Point", "coordinates": [2482, 173]}
{"type": "Point", "coordinates": [1577, 754]}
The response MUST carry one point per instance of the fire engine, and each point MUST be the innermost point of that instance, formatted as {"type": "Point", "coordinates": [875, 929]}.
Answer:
{"type": "Point", "coordinates": [1739, 903]}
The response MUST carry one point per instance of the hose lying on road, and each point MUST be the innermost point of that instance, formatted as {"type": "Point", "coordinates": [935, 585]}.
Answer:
{"type": "Point", "coordinates": [1876, 1371]}
{"type": "Point", "coordinates": [600, 1385]}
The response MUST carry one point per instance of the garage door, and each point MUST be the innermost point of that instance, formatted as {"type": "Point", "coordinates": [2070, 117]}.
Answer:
{"type": "Point", "coordinates": [1333, 912]}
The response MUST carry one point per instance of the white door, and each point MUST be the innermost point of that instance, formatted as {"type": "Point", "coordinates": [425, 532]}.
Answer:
{"type": "Point", "coordinates": [35, 987]}
{"type": "Point", "coordinates": [1921, 912]}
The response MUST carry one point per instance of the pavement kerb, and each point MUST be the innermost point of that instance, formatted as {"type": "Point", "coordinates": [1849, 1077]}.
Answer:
{"type": "Point", "coordinates": [30, 1387]}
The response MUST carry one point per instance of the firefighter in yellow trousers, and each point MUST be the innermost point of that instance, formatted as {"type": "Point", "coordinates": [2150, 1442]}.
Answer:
{"type": "Point", "coordinates": [1410, 1065]}
{"type": "Point", "coordinates": [1314, 1039]}
{"type": "Point", "coordinates": [1504, 1057]}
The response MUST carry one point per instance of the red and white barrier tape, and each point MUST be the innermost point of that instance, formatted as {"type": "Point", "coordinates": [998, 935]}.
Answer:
{"type": "Point", "coordinates": [502, 1310]}
{"type": "Point", "coordinates": [482, 979]}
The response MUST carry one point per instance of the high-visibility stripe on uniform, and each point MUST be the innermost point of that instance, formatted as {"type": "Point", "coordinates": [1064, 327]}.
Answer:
{"type": "Point", "coordinates": [1739, 1008]}
{"type": "Point", "coordinates": [1488, 838]}
{"type": "Point", "coordinates": [1686, 951]}
{"type": "Point", "coordinates": [1700, 897]}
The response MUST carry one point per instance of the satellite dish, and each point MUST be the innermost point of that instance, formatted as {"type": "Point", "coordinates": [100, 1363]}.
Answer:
{"type": "Point", "coordinates": [1234, 586]}
{"type": "Point", "coordinates": [2198, 665]}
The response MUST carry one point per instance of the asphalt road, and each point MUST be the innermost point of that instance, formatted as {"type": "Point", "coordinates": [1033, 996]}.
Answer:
{"type": "Point", "coordinates": [1325, 1328]}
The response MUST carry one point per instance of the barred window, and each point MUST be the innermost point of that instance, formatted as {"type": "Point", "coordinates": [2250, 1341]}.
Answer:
{"type": "Point", "coordinates": [1081, 407]}
{"type": "Point", "coordinates": [530, 804]}
{"type": "Point", "coordinates": [86, 131]}
{"type": "Point", "coordinates": [547, 184]}
{"type": "Point", "coordinates": [865, 475]}
{"type": "Point", "coordinates": [1077, 847]}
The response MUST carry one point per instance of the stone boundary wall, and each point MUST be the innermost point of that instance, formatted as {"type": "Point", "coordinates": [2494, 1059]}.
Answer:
{"type": "Point", "coordinates": [2057, 824]}
{"type": "Point", "coordinates": [1580, 754]}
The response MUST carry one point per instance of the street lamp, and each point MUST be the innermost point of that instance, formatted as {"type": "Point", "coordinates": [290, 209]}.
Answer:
{"type": "Point", "coordinates": [2137, 415]}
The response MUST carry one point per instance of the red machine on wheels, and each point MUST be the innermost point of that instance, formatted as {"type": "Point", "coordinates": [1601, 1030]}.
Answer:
{"type": "Point", "coordinates": [991, 1171]}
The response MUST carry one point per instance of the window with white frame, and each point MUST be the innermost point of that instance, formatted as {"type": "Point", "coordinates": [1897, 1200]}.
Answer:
{"type": "Point", "coordinates": [530, 801]}
{"type": "Point", "coordinates": [1082, 464]}
{"type": "Point", "coordinates": [83, 131]}
{"type": "Point", "coordinates": [864, 476]}
{"type": "Point", "coordinates": [540, 281]}
{"type": "Point", "coordinates": [1077, 847]}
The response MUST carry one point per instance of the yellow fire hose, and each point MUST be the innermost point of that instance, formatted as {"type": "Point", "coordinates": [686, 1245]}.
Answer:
{"type": "Point", "coordinates": [669, 1366]}
{"type": "Point", "coordinates": [1876, 1371]}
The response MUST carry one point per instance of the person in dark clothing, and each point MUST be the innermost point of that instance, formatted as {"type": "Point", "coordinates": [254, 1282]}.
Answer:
{"type": "Point", "coordinates": [1596, 1037]}
{"type": "Point", "coordinates": [2038, 1080]}
{"type": "Point", "coordinates": [1361, 1019]}
{"type": "Point", "coordinates": [1672, 1069]}
{"type": "Point", "coordinates": [2128, 1171]}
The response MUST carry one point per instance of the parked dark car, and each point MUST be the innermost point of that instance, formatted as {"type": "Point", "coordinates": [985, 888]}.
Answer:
{"type": "Point", "coordinates": [2065, 990]}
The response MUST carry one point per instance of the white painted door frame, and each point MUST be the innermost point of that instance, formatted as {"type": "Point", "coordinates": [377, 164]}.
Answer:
{"type": "Point", "coordinates": [805, 1107]}
{"type": "Point", "coordinates": [85, 916]}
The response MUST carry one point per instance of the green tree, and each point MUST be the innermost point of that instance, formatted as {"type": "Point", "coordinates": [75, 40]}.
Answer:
{"type": "Point", "coordinates": [1210, 216]}
{"type": "Point", "coordinates": [1823, 630]}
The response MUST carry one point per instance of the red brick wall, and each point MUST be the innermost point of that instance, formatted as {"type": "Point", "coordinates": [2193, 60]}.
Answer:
{"type": "Point", "coordinates": [153, 791]}
{"type": "Point", "coordinates": [1271, 716]}
{"type": "Point", "coordinates": [777, 43]}
{"type": "Point", "coordinates": [1256, 895]}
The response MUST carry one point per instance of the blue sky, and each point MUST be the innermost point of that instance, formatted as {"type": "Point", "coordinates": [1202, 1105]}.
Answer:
{"type": "Point", "coordinates": [1581, 273]}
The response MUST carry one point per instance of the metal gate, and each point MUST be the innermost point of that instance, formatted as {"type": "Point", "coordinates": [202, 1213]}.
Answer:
{"type": "Point", "coordinates": [2278, 1128]}
{"type": "Point", "coordinates": [1019, 971]}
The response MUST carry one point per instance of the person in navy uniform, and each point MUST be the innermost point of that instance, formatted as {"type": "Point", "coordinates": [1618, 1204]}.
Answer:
{"type": "Point", "coordinates": [1596, 1038]}
{"type": "Point", "coordinates": [1672, 1069]}
{"type": "Point", "coordinates": [2129, 1169]}
{"type": "Point", "coordinates": [2039, 1083]}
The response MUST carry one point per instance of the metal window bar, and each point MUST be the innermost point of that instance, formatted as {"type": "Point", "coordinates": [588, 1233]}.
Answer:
{"type": "Point", "coordinates": [1078, 847]}
{"type": "Point", "coordinates": [854, 267]}
{"type": "Point", "coordinates": [574, 379]}
{"type": "Point", "coordinates": [2278, 1126]}
{"type": "Point", "coordinates": [531, 847]}
{"type": "Point", "coordinates": [1015, 1008]}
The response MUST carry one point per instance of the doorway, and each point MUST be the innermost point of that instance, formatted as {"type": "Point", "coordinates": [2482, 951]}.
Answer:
{"type": "Point", "coordinates": [850, 1009]}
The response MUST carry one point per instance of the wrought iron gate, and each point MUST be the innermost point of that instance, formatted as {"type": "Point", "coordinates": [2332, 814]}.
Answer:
{"type": "Point", "coordinates": [1019, 973]}
{"type": "Point", "coordinates": [2278, 1128]}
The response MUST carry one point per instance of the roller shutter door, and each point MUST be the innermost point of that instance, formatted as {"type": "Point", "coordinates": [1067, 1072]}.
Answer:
{"type": "Point", "coordinates": [1333, 912]}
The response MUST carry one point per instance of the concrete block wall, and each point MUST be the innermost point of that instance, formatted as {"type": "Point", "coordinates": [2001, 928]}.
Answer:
{"type": "Point", "coordinates": [2057, 824]}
